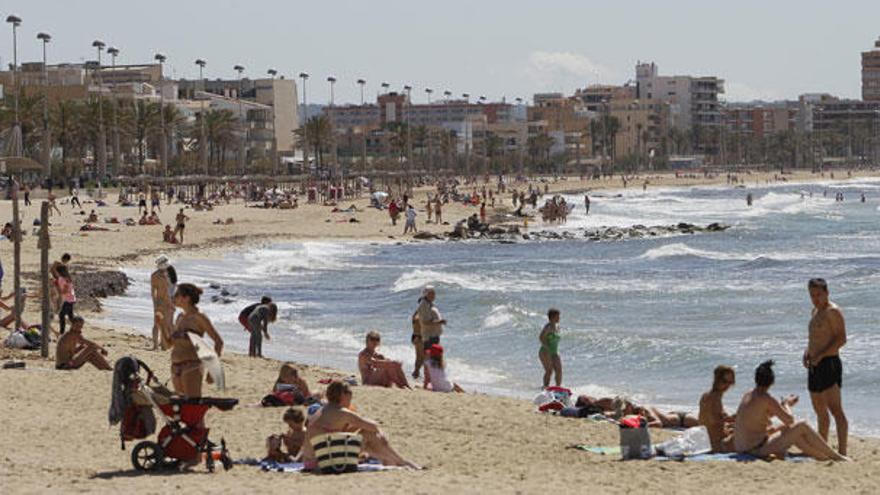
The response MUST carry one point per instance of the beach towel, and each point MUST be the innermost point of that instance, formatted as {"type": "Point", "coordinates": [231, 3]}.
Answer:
{"type": "Point", "coordinates": [297, 467]}
{"type": "Point", "coordinates": [729, 457]}
{"type": "Point", "coordinates": [615, 450]}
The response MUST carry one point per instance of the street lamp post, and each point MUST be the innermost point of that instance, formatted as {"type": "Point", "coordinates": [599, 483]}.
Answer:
{"type": "Point", "coordinates": [485, 139]}
{"type": "Point", "coordinates": [305, 123]}
{"type": "Point", "coordinates": [386, 143]}
{"type": "Point", "coordinates": [333, 148]}
{"type": "Point", "coordinates": [362, 83]}
{"type": "Point", "coordinates": [446, 95]}
{"type": "Point", "coordinates": [430, 158]}
{"type": "Point", "coordinates": [16, 124]}
{"type": "Point", "coordinates": [408, 121]}
{"type": "Point", "coordinates": [244, 123]}
{"type": "Point", "coordinates": [47, 140]}
{"type": "Point", "coordinates": [163, 138]}
{"type": "Point", "coordinates": [203, 135]}
{"type": "Point", "coordinates": [101, 157]}
{"type": "Point", "coordinates": [117, 159]}
{"type": "Point", "coordinates": [468, 135]}
{"type": "Point", "coordinates": [273, 73]}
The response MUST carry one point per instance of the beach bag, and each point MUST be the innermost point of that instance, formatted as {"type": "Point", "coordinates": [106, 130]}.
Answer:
{"type": "Point", "coordinates": [692, 441]}
{"type": "Point", "coordinates": [635, 440]}
{"type": "Point", "coordinates": [337, 453]}
{"type": "Point", "coordinates": [137, 422]}
{"type": "Point", "coordinates": [553, 399]}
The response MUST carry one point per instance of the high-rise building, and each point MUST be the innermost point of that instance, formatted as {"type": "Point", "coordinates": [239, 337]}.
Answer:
{"type": "Point", "coordinates": [693, 100]}
{"type": "Point", "coordinates": [871, 73]}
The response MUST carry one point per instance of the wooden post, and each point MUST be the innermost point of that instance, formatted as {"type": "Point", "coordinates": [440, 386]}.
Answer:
{"type": "Point", "coordinates": [44, 246]}
{"type": "Point", "coordinates": [16, 237]}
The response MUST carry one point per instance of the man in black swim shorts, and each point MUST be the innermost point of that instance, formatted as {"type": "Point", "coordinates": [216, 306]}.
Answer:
{"type": "Point", "coordinates": [827, 334]}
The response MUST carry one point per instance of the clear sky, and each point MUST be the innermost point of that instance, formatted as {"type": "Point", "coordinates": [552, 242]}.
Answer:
{"type": "Point", "coordinates": [766, 49]}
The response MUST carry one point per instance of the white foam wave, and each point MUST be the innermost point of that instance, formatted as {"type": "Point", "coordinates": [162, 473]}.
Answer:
{"type": "Point", "coordinates": [419, 278]}
{"type": "Point", "coordinates": [323, 256]}
{"type": "Point", "coordinates": [505, 314]}
{"type": "Point", "coordinates": [681, 249]}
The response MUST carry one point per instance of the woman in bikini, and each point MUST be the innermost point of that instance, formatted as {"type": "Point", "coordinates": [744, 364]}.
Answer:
{"type": "Point", "coordinates": [186, 368]}
{"type": "Point", "coordinates": [337, 417]}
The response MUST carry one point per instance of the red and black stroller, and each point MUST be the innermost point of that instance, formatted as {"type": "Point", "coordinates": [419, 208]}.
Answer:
{"type": "Point", "coordinates": [184, 436]}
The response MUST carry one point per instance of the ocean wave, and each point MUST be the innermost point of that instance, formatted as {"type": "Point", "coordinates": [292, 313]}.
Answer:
{"type": "Point", "coordinates": [308, 256]}
{"type": "Point", "coordinates": [417, 279]}
{"type": "Point", "coordinates": [680, 249]}
{"type": "Point", "coordinates": [505, 314]}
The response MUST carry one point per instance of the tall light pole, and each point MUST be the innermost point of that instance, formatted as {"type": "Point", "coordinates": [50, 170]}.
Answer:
{"type": "Point", "coordinates": [333, 150]}
{"type": "Point", "coordinates": [244, 123]}
{"type": "Point", "coordinates": [362, 83]}
{"type": "Point", "coordinates": [163, 139]}
{"type": "Point", "coordinates": [430, 159]}
{"type": "Point", "coordinates": [481, 101]}
{"type": "Point", "coordinates": [117, 160]}
{"type": "Point", "coordinates": [305, 124]}
{"type": "Point", "coordinates": [273, 73]}
{"type": "Point", "coordinates": [468, 136]}
{"type": "Point", "coordinates": [408, 121]}
{"type": "Point", "coordinates": [47, 140]}
{"type": "Point", "coordinates": [16, 124]}
{"type": "Point", "coordinates": [386, 143]}
{"type": "Point", "coordinates": [101, 157]}
{"type": "Point", "coordinates": [520, 141]}
{"type": "Point", "coordinates": [446, 95]}
{"type": "Point", "coordinates": [203, 135]}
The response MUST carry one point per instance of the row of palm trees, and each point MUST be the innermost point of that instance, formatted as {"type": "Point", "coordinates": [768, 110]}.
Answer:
{"type": "Point", "coordinates": [134, 137]}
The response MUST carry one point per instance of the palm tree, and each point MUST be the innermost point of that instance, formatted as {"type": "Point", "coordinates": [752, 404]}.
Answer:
{"type": "Point", "coordinates": [318, 133]}
{"type": "Point", "coordinates": [220, 128]}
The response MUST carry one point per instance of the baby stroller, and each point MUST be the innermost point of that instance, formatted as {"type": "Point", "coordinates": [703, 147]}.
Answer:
{"type": "Point", "coordinates": [184, 436]}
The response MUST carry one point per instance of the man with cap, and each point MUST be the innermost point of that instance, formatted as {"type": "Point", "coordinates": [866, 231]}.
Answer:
{"type": "Point", "coordinates": [430, 321]}
{"type": "Point", "coordinates": [162, 284]}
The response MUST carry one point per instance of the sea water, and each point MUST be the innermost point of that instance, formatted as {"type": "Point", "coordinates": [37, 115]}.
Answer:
{"type": "Point", "coordinates": [649, 318]}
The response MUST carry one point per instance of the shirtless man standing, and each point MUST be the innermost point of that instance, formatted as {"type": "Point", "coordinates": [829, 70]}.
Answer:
{"type": "Point", "coordinates": [754, 435]}
{"type": "Point", "coordinates": [822, 360]}
{"type": "Point", "coordinates": [73, 350]}
{"type": "Point", "coordinates": [181, 219]}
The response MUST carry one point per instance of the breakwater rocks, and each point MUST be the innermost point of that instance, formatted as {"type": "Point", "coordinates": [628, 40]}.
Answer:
{"type": "Point", "coordinates": [91, 286]}
{"type": "Point", "coordinates": [513, 233]}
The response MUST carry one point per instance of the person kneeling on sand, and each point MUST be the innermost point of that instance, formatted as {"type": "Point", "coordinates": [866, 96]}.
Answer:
{"type": "Point", "coordinates": [74, 350]}
{"type": "Point", "coordinates": [718, 423]}
{"type": "Point", "coordinates": [375, 369]}
{"type": "Point", "coordinates": [435, 371]}
{"type": "Point", "coordinates": [753, 434]}
{"type": "Point", "coordinates": [337, 417]}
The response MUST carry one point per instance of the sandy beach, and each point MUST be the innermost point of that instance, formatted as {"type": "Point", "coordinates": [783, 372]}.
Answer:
{"type": "Point", "coordinates": [57, 436]}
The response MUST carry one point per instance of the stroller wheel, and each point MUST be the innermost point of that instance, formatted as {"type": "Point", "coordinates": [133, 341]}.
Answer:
{"type": "Point", "coordinates": [147, 456]}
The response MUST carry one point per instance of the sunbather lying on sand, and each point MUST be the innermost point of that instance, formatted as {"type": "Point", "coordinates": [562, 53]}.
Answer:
{"type": "Point", "coordinates": [336, 417]}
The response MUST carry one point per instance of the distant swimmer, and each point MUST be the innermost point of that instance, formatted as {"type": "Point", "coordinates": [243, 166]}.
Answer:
{"type": "Point", "coordinates": [749, 199]}
{"type": "Point", "coordinates": [863, 197]}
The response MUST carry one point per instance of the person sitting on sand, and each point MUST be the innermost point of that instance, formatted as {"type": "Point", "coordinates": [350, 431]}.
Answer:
{"type": "Point", "coordinates": [290, 382]}
{"type": "Point", "coordinates": [712, 415]}
{"type": "Point", "coordinates": [375, 369]}
{"type": "Point", "coordinates": [754, 435]}
{"type": "Point", "coordinates": [153, 219]}
{"type": "Point", "coordinates": [186, 367]}
{"type": "Point", "coordinates": [337, 417]}
{"type": "Point", "coordinates": [295, 436]}
{"type": "Point", "coordinates": [144, 220]}
{"type": "Point", "coordinates": [168, 235]}
{"type": "Point", "coordinates": [435, 372]}
{"type": "Point", "coordinates": [73, 350]}
{"type": "Point", "coordinates": [93, 217]}
{"type": "Point", "coordinates": [549, 352]}
{"type": "Point", "coordinates": [274, 453]}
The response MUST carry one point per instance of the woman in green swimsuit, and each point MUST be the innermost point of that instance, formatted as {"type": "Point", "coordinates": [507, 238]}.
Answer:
{"type": "Point", "coordinates": [549, 353]}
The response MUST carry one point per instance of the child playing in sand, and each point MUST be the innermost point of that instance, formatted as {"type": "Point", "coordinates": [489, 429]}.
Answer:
{"type": "Point", "coordinates": [435, 371]}
{"type": "Point", "coordinates": [295, 435]}
{"type": "Point", "coordinates": [549, 353]}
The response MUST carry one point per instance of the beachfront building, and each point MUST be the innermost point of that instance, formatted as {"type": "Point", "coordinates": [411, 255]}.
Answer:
{"type": "Point", "coordinates": [278, 97]}
{"type": "Point", "coordinates": [693, 101]}
{"type": "Point", "coordinates": [596, 96]}
{"type": "Point", "coordinates": [641, 128]}
{"type": "Point", "coordinates": [871, 73]}
{"type": "Point", "coordinates": [559, 128]}
{"type": "Point", "coordinates": [760, 119]}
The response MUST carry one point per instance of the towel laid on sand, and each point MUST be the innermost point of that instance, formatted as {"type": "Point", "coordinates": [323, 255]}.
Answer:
{"type": "Point", "coordinates": [729, 457]}
{"type": "Point", "coordinates": [297, 467]}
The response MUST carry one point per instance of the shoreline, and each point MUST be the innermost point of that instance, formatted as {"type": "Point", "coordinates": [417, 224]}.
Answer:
{"type": "Point", "coordinates": [473, 443]}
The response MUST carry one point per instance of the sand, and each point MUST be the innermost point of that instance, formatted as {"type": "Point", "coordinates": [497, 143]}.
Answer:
{"type": "Point", "coordinates": [56, 435]}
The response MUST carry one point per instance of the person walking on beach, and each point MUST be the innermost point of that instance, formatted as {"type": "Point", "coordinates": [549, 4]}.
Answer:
{"type": "Point", "coordinates": [410, 225]}
{"type": "Point", "coordinates": [754, 435]}
{"type": "Point", "coordinates": [430, 321]}
{"type": "Point", "coordinates": [258, 321]}
{"type": "Point", "coordinates": [27, 195]}
{"type": "Point", "coordinates": [416, 340]}
{"type": "Point", "coordinates": [393, 211]}
{"type": "Point", "coordinates": [162, 292]}
{"type": "Point", "coordinates": [549, 352]}
{"type": "Point", "coordinates": [827, 334]}
{"type": "Point", "coordinates": [186, 367]}
{"type": "Point", "coordinates": [181, 224]}
{"type": "Point", "coordinates": [587, 204]}
{"type": "Point", "coordinates": [68, 295]}
{"type": "Point", "coordinates": [438, 212]}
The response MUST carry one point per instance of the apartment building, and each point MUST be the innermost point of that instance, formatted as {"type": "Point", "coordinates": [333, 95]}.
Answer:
{"type": "Point", "coordinates": [760, 119]}
{"type": "Point", "coordinates": [597, 95]}
{"type": "Point", "coordinates": [565, 119]}
{"type": "Point", "coordinates": [641, 126]}
{"type": "Point", "coordinates": [871, 73]}
{"type": "Point", "coordinates": [693, 100]}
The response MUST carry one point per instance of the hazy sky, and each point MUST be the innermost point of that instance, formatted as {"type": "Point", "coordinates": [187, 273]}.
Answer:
{"type": "Point", "coordinates": [766, 49]}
